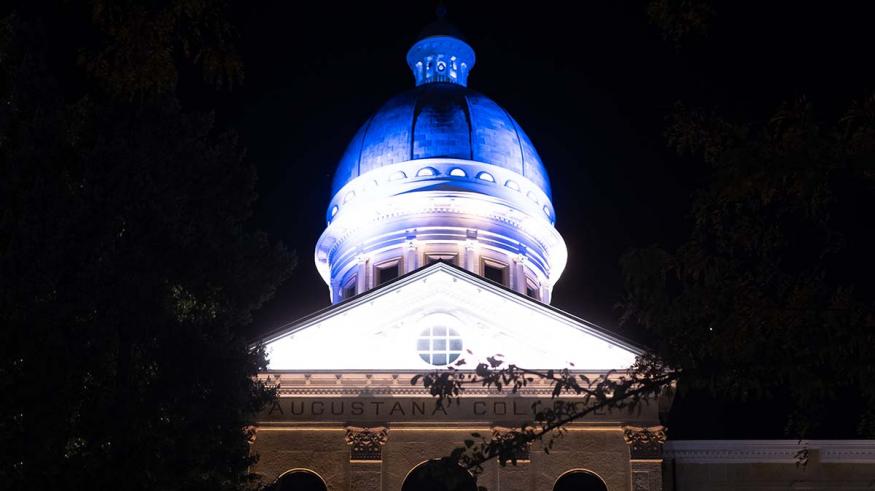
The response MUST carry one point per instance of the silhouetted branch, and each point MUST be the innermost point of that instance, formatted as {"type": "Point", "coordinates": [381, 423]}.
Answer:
{"type": "Point", "coordinates": [647, 378]}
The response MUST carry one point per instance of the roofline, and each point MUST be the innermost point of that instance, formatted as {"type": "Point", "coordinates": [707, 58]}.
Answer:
{"type": "Point", "coordinates": [634, 346]}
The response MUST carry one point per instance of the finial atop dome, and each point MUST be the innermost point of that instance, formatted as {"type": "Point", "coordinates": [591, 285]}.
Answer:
{"type": "Point", "coordinates": [441, 55]}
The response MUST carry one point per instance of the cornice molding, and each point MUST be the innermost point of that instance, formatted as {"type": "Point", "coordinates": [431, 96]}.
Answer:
{"type": "Point", "coordinates": [768, 451]}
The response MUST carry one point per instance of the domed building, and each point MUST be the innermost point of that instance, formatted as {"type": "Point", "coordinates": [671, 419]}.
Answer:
{"type": "Point", "coordinates": [440, 173]}
{"type": "Point", "coordinates": [439, 251]}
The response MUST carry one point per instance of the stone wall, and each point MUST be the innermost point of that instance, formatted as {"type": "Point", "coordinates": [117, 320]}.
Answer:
{"type": "Point", "coordinates": [760, 465]}
{"type": "Point", "coordinates": [326, 452]}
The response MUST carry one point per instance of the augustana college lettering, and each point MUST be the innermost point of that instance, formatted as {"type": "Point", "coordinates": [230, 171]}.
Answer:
{"type": "Point", "coordinates": [406, 408]}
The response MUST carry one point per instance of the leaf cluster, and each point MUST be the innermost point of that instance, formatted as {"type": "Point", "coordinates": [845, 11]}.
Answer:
{"type": "Point", "coordinates": [127, 261]}
{"type": "Point", "coordinates": [574, 395]}
{"type": "Point", "coordinates": [769, 292]}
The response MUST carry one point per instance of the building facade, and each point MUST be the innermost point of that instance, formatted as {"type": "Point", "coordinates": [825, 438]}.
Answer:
{"type": "Point", "coordinates": [440, 249]}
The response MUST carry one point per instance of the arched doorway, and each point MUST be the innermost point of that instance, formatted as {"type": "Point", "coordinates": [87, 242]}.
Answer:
{"type": "Point", "coordinates": [579, 480]}
{"type": "Point", "coordinates": [439, 475]}
{"type": "Point", "coordinates": [298, 480]}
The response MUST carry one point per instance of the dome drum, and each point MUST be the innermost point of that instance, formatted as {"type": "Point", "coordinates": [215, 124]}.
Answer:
{"type": "Point", "coordinates": [435, 240]}
{"type": "Point", "coordinates": [411, 226]}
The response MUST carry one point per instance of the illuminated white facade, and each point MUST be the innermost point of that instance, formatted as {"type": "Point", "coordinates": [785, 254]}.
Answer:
{"type": "Point", "coordinates": [485, 318]}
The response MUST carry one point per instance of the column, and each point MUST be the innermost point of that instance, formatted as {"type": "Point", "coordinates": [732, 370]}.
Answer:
{"type": "Point", "coordinates": [366, 457]}
{"type": "Point", "coordinates": [334, 290]}
{"type": "Point", "coordinates": [546, 293]}
{"type": "Point", "coordinates": [645, 450]}
{"type": "Point", "coordinates": [469, 262]}
{"type": "Point", "coordinates": [518, 274]}
{"type": "Point", "coordinates": [410, 256]}
{"type": "Point", "coordinates": [361, 280]}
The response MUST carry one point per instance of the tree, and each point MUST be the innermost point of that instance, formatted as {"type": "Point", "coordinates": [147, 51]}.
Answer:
{"type": "Point", "coordinates": [767, 298]}
{"type": "Point", "coordinates": [127, 263]}
{"type": "Point", "coordinates": [768, 295]}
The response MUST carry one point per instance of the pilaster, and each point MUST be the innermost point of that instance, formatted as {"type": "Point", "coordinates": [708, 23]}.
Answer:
{"type": "Point", "coordinates": [645, 451]}
{"type": "Point", "coordinates": [411, 253]}
{"type": "Point", "coordinates": [361, 281]}
{"type": "Point", "coordinates": [366, 457]}
{"type": "Point", "coordinates": [470, 260]}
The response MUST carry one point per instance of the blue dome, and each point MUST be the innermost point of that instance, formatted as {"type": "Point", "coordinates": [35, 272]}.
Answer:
{"type": "Point", "coordinates": [441, 120]}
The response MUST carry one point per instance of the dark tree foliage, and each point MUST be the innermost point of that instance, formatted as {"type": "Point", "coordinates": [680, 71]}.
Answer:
{"type": "Point", "coordinates": [648, 381]}
{"type": "Point", "coordinates": [770, 293]}
{"type": "Point", "coordinates": [679, 20]}
{"type": "Point", "coordinates": [769, 298]}
{"type": "Point", "coordinates": [127, 266]}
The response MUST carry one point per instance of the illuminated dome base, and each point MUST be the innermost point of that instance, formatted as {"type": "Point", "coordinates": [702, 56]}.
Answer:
{"type": "Point", "coordinates": [461, 212]}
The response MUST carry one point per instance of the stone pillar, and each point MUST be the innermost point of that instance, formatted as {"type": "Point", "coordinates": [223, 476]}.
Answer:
{"type": "Point", "coordinates": [366, 457]}
{"type": "Point", "coordinates": [518, 274]}
{"type": "Point", "coordinates": [546, 292]}
{"type": "Point", "coordinates": [361, 280]}
{"type": "Point", "coordinates": [410, 256]}
{"type": "Point", "coordinates": [645, 451]}
{"type": "Point", "coordinates": [470, 259]}
{"type": "Point", "coordinates": [334, 290]}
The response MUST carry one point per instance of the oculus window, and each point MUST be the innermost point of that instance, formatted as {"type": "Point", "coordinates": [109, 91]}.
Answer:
{"type": "Point", "coordinates": [426, 171]}
{"type": "Point", "coordinates": [485, 176]}
{"type": "Point", "coordinates": [439, 345]}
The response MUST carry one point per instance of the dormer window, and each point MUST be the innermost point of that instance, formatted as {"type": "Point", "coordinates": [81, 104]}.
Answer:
{"type": "Point", "coordinates": [387, 271]}
{"type": "Point", "coordinates": [532, 289]}
{"type": "Point", "coordinates": [349, 288]}
{"type": "Point", "coordinates": [494, 271]}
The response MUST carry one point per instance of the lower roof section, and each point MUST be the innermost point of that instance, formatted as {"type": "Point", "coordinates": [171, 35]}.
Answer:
{"type": "Point", "coordinates": [768, 451]}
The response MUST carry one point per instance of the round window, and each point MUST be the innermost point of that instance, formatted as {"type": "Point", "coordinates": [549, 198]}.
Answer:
{"type": "Point", "coordinates": [439, 345]}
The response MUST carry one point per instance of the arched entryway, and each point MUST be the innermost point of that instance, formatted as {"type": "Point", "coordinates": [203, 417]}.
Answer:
{"type": "Point", "coordinates": [299, 480]}
{"type": "Point", "coordinates": [579, 480]}
{"type": "Point", "coordinates": [439, 475]}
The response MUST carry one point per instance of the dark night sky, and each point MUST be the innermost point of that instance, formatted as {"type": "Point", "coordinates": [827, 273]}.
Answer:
{"type": "Point", "coordinates": [591, 86]}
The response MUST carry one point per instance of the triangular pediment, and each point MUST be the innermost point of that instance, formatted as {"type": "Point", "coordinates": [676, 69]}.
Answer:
{"type": "Point", "coordinates": [443, 310]}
